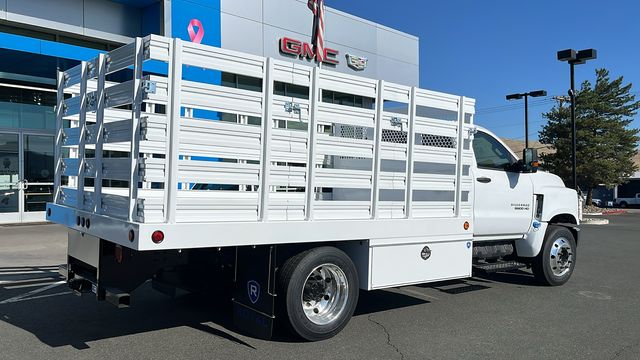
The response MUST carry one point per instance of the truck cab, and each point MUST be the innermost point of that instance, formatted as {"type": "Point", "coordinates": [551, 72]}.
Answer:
{"type": "Point", "coordinates": [516, 202]}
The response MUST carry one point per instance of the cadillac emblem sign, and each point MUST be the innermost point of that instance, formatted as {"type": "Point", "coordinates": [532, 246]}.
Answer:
{"type": "Point", "coordinates": [357, 62]}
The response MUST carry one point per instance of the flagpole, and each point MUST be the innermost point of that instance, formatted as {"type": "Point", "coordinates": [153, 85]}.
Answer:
{"type": "Point", "coordinates": [320, 39]}
{"type": "Point", "coordinates": [317, 7]}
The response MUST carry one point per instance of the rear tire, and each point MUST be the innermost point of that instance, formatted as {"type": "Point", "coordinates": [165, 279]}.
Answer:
{"type": "Point", "coordinates": [318, 291]}
{"type": "Point", "coordinates": [555, 263]}
{"type": "Point", "coordinates": [623, 204]}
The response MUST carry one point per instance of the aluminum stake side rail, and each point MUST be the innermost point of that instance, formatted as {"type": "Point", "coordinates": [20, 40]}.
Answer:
{"type": "Point", "coordinates": [269, 170]}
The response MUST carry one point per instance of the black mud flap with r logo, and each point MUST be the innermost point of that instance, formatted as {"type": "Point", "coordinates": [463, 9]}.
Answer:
{"type": "Point", "coordinates": [254, 290]}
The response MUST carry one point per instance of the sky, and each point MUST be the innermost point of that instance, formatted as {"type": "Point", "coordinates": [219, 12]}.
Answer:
{"type": "Point", "coordinates": [486, 49]}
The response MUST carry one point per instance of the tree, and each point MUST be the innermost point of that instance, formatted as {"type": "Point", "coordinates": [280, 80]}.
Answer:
{"type": "Point", "coordinates": [605, 144]}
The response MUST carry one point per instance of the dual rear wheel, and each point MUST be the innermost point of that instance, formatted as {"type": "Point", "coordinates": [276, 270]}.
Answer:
{"type": "Point", "coordinates": [319, 292]}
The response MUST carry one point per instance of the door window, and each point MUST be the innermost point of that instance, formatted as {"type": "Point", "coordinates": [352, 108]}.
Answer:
{"type": "Point", "coordinates": [38, 169]}
{"type": "Point", "coordinates": [9, 173]}
{"type": "Point", "coordinates": [38, 158]}
{"type": "Point", "coordinates": [490, 154]}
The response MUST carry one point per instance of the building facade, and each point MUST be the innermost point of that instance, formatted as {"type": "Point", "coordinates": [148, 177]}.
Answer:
{"type": "Point", "coordinates": [38, 37]}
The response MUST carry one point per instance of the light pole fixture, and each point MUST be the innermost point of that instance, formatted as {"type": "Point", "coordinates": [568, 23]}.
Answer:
{"type": "Point", "coordinates": [575, 58]}
{"type": "Point", "coordinates": [526, 109]}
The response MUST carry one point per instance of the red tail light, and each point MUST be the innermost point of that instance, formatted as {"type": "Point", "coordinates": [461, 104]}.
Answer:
{"type": "Point", "coordinates": [157, 236]}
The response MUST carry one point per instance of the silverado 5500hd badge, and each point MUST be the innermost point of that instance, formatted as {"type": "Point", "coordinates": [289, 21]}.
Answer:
{"type": "Point", "coordinates": [520, 206]}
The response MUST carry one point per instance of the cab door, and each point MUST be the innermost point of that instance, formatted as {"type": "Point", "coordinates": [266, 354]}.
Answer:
{"type": "Point", "coordinates": [503, 199]}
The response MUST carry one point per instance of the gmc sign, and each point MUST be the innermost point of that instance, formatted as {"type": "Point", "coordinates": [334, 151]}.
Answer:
{"type": "Point", "coordinates": [304, 50]}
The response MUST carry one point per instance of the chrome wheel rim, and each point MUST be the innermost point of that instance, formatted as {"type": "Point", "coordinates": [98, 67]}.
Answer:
{"type": "Point", "coordinates": [325, 293]}
{"type": "Point", "coordinates": [561, 257]}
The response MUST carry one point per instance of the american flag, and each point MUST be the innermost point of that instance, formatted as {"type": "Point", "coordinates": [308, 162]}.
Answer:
{"type": "Point", "coordinates": [317, 7]}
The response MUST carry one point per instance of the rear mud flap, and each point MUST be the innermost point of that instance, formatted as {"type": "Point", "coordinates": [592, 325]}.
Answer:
{"type": "Point", "coordinates": [254, 290]}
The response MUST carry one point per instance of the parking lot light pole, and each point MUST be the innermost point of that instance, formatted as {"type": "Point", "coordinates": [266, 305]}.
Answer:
{"type": "Point", "coordinates": [526, 109]}
{"type": "Point", "coordinates": [575, 58]}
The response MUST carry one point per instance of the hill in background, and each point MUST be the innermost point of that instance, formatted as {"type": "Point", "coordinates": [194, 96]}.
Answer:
{"type": "Point", "coordinates": [518, 145]}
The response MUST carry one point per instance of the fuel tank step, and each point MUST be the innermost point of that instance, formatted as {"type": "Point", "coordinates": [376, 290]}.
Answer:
{"type": "Point", "coordinates": [487, 268]}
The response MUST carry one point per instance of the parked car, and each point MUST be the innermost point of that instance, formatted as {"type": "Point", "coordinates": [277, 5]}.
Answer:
{"type": "Point", "coordinates": [594, 202]}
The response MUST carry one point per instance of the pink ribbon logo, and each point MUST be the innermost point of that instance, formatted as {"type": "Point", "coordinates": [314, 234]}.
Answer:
{"type": "Point", "coordinates": [195, 37]}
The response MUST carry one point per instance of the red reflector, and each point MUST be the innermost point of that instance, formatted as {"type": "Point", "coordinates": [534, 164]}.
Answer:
{"type": "Point", "coordinates": [157, 236]}
{"type": "Point", "coordinates": [118, 254]}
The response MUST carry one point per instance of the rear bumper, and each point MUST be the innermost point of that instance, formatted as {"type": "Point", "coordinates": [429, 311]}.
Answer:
{"type": "Point", "coordinates": [103, 227]}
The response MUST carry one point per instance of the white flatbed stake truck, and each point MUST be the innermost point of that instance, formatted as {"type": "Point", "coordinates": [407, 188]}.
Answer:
{"type": "Point", "coordinates": [293, 186]}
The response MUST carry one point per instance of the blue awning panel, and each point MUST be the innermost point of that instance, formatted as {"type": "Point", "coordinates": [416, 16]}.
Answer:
{"type": "Point", "coordinates": [45, 47]}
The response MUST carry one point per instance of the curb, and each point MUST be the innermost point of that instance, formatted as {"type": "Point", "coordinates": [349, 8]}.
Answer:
{"type": "Point", "coordinates": [614, 212]}
{"type": "Point", "coordinates": [610, 212]}
{"type": "Point", "coordinates": [594, 221]}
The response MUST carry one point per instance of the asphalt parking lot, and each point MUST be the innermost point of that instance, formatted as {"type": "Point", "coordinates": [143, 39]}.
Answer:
{"type": "Point", "coordinates": [504, 316]}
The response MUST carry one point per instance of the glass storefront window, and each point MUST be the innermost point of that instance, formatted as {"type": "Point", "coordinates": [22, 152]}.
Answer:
{"type": "Point", "coordinates": [27, 126]}
{"type": "Point", "coordinates": [27, 108]}
{"type": "Point", "coordinates": [27, 116]}
{"type": "Point", "coordinates": [13, 94]}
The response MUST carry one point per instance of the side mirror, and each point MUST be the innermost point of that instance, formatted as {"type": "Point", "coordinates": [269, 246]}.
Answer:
{"type": "Point", "coordinates": [530, 160]}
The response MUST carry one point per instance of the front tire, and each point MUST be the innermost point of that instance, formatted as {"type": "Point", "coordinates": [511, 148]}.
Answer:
{"type": "Point", "coordinates": [319, 292]}
{"type": "Point", "coordinates": [555, 263]}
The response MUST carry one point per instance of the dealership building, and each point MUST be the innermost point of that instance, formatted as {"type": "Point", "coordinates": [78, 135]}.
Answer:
{"type": "Point", "coordinates": [39, 37]}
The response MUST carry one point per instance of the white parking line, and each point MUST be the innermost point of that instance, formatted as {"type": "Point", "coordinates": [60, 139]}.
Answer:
{"type": "Point", "coordinates": [28, 272]}
{"type": "Point", "coordinates": [39, 297]}
{"type": "Point", "coordinates": [30, 285]}
{"type": "Point", "coordinates": [28, 280]}
{"type": "Point", "coordinates": [26, 296]}
{"type": "Point", "coordinates": [36, 268]}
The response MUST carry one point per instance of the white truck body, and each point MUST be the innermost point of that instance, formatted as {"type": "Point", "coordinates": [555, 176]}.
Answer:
{"type": "Point", "coordinates": [624, 202]}
{"type": "Point", "coordinates": [286, 169]}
